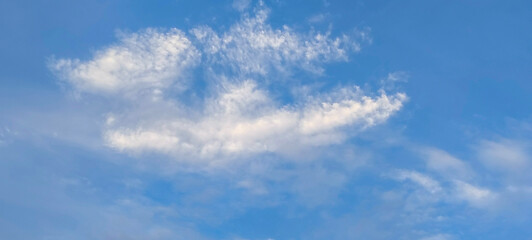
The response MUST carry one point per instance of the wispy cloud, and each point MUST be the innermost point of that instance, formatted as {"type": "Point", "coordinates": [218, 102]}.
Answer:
{"type": "Point", "coordinates": [253, 47]}
{"type": "Point", "coordinates": [505, 154]}
{"type": "Point", "coordinates": [476, 196]}
{"type": "Point", "coordinates": [241, 5]}
{"type": "Point", "coordinates": [424, 181]}
{"type": "Point", "coordinates": [239, 116]}
{"type": "Point", "coordinates": [444, 163]}
{"type": "Point", "coordinates": [438, 237]}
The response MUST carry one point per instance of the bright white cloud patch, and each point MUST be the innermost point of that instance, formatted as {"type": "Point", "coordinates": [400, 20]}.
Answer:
{"type": "Point", "coordinates": [146, 60]}
{"type": "Point", "coordinates": [244, 120]}
{"type": "Point", "coordinates": [239, 115]}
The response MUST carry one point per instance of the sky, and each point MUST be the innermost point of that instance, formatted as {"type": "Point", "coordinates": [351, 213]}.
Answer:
{"type": "Point", "coordinates": [262, 120]}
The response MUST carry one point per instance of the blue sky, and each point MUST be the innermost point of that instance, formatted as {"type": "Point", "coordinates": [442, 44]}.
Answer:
{"type": "Point", "coordinates": [265, 120]}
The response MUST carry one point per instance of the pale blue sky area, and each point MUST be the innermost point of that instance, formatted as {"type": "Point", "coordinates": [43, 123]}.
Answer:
{"type": "Point", "coordinates": [264, 120]}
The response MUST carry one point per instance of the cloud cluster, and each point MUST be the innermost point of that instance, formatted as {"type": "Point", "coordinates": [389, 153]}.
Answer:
{"type": "Point", "coordinates": [239, 115]}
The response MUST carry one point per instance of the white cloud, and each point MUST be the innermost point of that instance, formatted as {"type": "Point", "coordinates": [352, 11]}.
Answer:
{"type": "Point", "coordinates": [476, 196]}
{"type": "Point", "coordinates": [254, 47]}
{"type": "Point", "coordinates": [438, 237]}
{"type": "Point", "coordinates": [519, 189]}
{"type": "Point", "coordinates": [484, 188]}
{"type": "Point", "coordinates": [457, 175]}
{"type": "Point", "coordinates": [317, 18]}
{"type": "Point", "coordinates": [244, 119]}
{"type": "Point", "coordinates": [238, 115]}
{"type": "Point", "coordinates": [446, 164]}
{"type": "Point", "coordinates": [140, 140]}
{"type": "Point", "coordinates": [505, 154]}
{"type": "Point", "coordinates": [241, 5]}
{"type": "Point", "coordinates": [4, 133]}
{"type": "Point", "coordinates": [145, 61]}
{"type": "Point", "coordinates": [391, 81]}
{"type": "Point", "coordinates": [424, 181]}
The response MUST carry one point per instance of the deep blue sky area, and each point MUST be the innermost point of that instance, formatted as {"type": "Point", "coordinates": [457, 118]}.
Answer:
{"type": "Point", "coordinates": [245, 123]}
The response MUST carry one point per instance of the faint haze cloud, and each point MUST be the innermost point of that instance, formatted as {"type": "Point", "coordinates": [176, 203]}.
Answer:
{"type": "Point", "coordinates": [241, 5]}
